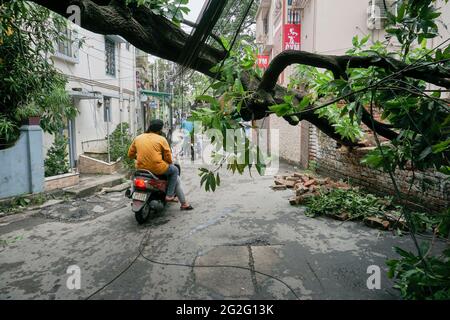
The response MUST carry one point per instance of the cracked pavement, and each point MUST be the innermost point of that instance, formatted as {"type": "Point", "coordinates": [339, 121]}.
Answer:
{"type": "Point", "coordinates": [244, 224]}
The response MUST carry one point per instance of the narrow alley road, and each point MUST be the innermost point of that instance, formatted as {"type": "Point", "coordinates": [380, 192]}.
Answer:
{"type": "Point", "coordinates": [244, 224]}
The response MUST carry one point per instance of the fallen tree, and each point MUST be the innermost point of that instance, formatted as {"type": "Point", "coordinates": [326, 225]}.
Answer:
{"type": "Point", "coordinates": [145, 25]}
{"type": "Point", "coordinates": [159, 36]}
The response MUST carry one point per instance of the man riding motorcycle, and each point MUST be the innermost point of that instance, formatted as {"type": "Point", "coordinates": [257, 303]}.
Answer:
{"type": "Point", "coordinates": [152, 152]}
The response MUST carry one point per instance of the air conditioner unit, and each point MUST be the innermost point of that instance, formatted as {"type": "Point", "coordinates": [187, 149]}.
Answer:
{"type": "Point", "coordinates": [377, 13]}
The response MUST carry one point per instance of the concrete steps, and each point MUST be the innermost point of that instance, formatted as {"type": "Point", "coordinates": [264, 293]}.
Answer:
{"type": "Point", "coordinates": [91, 184]}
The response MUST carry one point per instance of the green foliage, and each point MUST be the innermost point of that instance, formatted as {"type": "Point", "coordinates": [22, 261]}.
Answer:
{"type": "Point", "coordinates": [422, 119]}
{"type": "Point", "coordinates": [320, 85]}
{"type": "Point", "coordinates": [210, 179]}
{"type": "Point", "coordinates": [57, 162]}
{"type": "Point", "coordinates": [30, 85]}
{"type": "Point", "coordinates": [8, 131]}
{"type": "Point", "coordinates": [415, 21]}
{"type": "Point", "coordinates": [19, 203]}
{"type": "Point", "coordinates": [119, 142]}
{"type": "Point", "coordinates": [355, 204]}
{"type": "Point", "coordinates": [171, 9]}
{"type": "Point", "coordinates": [312, 165]}
{"type": "Point", "coordinates": [231, 18]}
{"type": "Point", "coordinates": [222, 114]}
{"type": "Point", "coordinates": [421, 279]}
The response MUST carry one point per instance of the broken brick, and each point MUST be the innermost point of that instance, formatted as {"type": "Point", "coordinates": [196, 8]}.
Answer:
{"type": "Point", "coordinates": [309, 183]}
{"type": "Point", "coordinates": [376, 222]}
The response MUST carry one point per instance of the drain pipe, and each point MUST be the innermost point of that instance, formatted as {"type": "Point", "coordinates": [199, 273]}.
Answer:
{"type": "Point", "coordinates": [120, 92]}
{"type": "Point", "coordinates": [107, 133]}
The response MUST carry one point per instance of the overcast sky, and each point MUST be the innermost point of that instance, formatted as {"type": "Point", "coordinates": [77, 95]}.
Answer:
{"type": "Point", "coordinates": [196, 7]}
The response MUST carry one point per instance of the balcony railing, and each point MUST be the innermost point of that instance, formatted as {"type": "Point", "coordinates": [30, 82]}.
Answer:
{"type": "Point", "coordinates": [294, 16]}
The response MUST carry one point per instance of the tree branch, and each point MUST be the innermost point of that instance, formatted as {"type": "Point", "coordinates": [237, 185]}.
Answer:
{"type": "Point", "coordinates": [338, 64]}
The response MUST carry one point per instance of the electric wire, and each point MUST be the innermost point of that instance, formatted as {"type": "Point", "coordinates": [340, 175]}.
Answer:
{"type": "Point", "coordinates": [142, 246]}
{"type": "Point", "coordinates": [231, 45]}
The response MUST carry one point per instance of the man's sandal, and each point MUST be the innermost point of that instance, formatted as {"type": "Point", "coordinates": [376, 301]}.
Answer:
{"type": "Point", "coordinates": [189, 207]}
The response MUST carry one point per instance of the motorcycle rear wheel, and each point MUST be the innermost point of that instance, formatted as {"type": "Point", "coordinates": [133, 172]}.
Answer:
{"type": "Point", "coordinates": [142, 215]}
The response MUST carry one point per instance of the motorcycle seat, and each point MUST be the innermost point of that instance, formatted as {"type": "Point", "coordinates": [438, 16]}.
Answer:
{"type": "Point", "coordinates": [148, 174]}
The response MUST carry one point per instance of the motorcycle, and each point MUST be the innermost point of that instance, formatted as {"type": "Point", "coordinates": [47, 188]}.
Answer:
{"type": "Point", "coordinates": [148, 194]}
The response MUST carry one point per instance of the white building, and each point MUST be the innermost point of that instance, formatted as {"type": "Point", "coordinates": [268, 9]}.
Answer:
{"type": "Point", "coordinates": [102, 83]}
{"type": "Point", "coordinates": [327, 27]}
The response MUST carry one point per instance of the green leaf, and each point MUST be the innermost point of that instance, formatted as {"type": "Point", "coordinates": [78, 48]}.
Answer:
{"type": "Point", "coordinates": [401, 12]}
{"type": "Point", "coordinates": [202, 181]}
{"type": "Point", "coordinates": [364, 40]}
{"type": "Point", "coordinates": [288, 99]}
{"type": "Point", "coordinates": [355, 41]}
{"type": "Point", "coordinates": [248, 64]}
{"type": "Point", "coordinates": [219, 84]}
{"type": "Point", "coordinates": [425, 153]}
{"type": "Point", "coordinates": [212, 181]}
{"type": "Point", "coordinates": [305, 102]}
{"type": "Point", "coordinates": [225, 43]}
{"type": "Point", "coordinates": [239, 106]}
{"type": "Point", "coordinates": [218, 179]}
{"type": "Point", "coordinates": [238, 86]}
{"type": "Point", "coordinates": [207, 98]}
{"type": "Point", "coordinates": [281, 109]}
{"type": "Point", "coordinates": [443, 145]}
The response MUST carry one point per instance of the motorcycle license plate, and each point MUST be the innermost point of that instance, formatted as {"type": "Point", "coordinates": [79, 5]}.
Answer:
{"type": "Point", "coordinates": [139, 196]}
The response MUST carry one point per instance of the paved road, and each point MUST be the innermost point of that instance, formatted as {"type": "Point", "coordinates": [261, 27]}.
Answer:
{"type": "Point", "coordinates": [244, 224]}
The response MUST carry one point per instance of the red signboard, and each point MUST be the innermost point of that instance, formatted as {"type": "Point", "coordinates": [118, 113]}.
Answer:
{"type": "Point", "coordinates": [263, 61]}
{"type": "Point", "coordinates": [292, 34]}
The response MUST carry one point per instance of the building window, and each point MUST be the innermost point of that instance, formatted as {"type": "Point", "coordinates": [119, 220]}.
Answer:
{"type": "Point", "coordinates": [266, 25]}
{"type": "Point", "coordinates": [107, 109]}
{"type": "Point", "coordinates": [67, 45]}
{"type": "Point", "coordinates": [110, 50]}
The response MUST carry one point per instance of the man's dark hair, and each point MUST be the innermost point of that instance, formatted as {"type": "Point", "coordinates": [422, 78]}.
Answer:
{"type": "Point", "coordinates": [155, 126]}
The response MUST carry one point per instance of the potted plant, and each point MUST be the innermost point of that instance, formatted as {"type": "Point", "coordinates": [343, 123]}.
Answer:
{"type": "Point", "coordinates": [29, 114]}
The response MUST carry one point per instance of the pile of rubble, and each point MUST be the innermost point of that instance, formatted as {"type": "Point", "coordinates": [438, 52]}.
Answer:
{"type": "Point", "coordinates": [305, 185]}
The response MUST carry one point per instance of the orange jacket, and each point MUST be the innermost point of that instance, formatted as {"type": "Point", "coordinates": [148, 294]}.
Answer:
{"type": "Point", "coordinates": [152, 153]}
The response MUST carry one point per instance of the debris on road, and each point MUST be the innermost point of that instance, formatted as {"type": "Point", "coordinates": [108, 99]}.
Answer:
{"type": "Point", "coordinates": [305, 185]}
{"type": "Point", "coordinates": [308, 187]}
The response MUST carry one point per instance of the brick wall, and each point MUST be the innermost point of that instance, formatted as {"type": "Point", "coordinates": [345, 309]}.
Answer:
{"type": "Point", "coordinates": [343, 164]}
{"type": "Point", "coordinates": [91, 165]}
{"type": "Point", "coordinates": [293, 140]}
{"type": "Point", "coordinates": [61, 181]}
